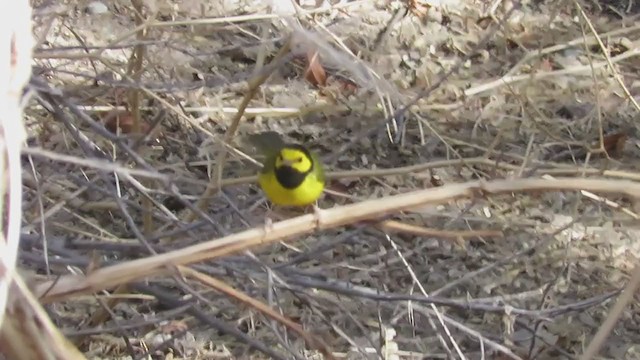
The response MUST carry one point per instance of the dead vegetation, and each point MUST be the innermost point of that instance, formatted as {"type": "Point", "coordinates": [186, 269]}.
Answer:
{"type": "Point", "coordinates": [484, 166]}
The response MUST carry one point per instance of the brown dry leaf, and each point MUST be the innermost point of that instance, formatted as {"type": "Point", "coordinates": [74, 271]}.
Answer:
{"type": "Point", "coordinates": [174, 326]}
{"type": "Point", "coordinates": [484, 22]}
{"type": "Point", "coordinates": [122, 122]}
{"type": "Point", "coordinates": [335, 86]}
{"type": "Point", "coordinates": [546, 65]}
{"type": "Point", "coordinates": [419, 8]}
{"type": "Point", "coordinates": [315, 73]}
{"type": "Point", "coordinates": [115, 121]}
{"type": "Point", "coordinates": [436, 181]}
{"type": "Point", "coordinates": [346, 86]}
{"type": "Point", "coordinates": [614, 144]}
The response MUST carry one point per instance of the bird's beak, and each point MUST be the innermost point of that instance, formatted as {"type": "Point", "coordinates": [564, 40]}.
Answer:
{"type": "Point", "coordinates": [287, 163]}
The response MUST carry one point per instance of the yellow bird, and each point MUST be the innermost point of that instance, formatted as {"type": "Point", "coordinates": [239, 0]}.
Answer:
{"type": "Point", "coordinates": [291, 174]}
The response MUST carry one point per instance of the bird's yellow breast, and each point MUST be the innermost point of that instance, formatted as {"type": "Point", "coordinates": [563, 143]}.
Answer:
{"type": "Point", "coordinates": [306, 193]}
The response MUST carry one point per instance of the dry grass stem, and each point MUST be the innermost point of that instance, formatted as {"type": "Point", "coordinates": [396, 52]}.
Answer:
{"type": "Point", "coordinates": [605, 329]}
{"type": "Point", "coordinates": [108, 277]}
{"type": "Point", "coordinates": [221, 286]}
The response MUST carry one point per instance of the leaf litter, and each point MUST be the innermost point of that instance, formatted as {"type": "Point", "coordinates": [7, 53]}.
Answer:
{"type": "Point", "coordinates": [533, 94]}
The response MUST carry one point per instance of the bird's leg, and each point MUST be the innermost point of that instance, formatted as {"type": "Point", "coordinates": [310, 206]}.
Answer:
{"type": "Point", "coordinates": [318, 214]}
{"type": "Point", "coordinates": [274, 212]}
{"type": "Point", "coordinates": [268, 222]}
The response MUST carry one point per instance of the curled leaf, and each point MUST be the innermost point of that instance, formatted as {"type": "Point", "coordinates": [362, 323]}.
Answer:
{"type": "Point", "coordinates": [315, 73]}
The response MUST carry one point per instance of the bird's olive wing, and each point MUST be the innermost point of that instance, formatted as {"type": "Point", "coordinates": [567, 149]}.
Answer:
{"type": "Point", "coordinates": [318, 167]}
{"type": "Point", "coordinates": [269, 163]}
{"type": "Point", "coordinates": [268, 142]}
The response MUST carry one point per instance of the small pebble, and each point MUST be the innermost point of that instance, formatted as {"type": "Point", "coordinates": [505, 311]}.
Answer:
{"type": "Point", "coordinates": [96, 8]}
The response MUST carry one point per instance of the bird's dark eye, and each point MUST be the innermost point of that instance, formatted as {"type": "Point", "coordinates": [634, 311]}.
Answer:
{"type": "Point", "coordinates": [299, 160]}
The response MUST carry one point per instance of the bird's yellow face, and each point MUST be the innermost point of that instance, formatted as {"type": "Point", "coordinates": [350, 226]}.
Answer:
{"type": "Point", "coordinates": [291, 175]}
{"type": "Point", "coordinates": [292, 166]}
{"type": "Point", "coordinates": [297, 159]}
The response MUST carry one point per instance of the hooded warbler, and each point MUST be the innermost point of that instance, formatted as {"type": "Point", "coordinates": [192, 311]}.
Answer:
{"type": "Point", "coordinates": [291, 174]}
